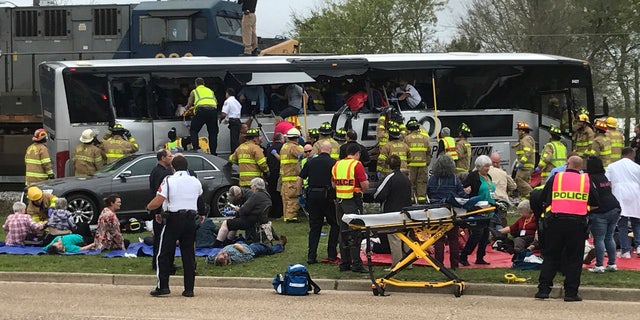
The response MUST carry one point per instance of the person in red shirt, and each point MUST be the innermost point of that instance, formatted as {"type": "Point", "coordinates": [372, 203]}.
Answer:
{"type": "Point", "coordinates": [349, 180]}
{"type": "Point", "coordinates": [281, 126]}
{"type": "Point", "coordinates": [523, 230]}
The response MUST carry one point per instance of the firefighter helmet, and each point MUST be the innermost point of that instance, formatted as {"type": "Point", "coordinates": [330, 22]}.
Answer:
{"type": "Point", "coordinates": [341, 135]}
{"type": "Point", "coordinates": [600, 125]}
{"type": "Point", "coordinates": [325, 129]}
{"type": "Point", "coordinates": [394, 132]}
{"type": "Point", "coordinates": [34, 194]}
{"type": "Point", "coordinates": [464, 128]}
{"type": "Point", "coordinates": [413, 124]}
{"type": "Point", "coordinates": [117, 128]}
{"type": "Point", "coordinates": [584, 118]}
{"type": "Point", "coordinates": [293, 133]}
{"type": "Point", "coordinates": [87, 136]}
{"type": "Point", "coordinates": [611, 122]}
{"type": "Point", "coordinates": [39, 135]}
{"type": "Point", "coordinates": [314, 133]}
{"type": "Point", "coordinates": [554, 130]}
{"type": "Point", "coordinates": [252, 133]}
{"type": "Point", "coordinates": [522, 125]}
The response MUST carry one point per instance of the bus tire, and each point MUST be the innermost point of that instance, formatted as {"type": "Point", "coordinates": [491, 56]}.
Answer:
{"type": "Point", "coordinates": [174, 55]}
{"type": "Point", "coordinates": [160, 55]}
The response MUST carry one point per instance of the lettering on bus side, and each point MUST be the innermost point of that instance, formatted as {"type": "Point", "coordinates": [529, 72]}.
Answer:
{"type": "Point", "coordinates": [369, 129]}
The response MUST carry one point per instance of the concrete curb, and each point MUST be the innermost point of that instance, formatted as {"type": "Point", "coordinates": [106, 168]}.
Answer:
{"type": "Point", "coordinates": [483, 289]}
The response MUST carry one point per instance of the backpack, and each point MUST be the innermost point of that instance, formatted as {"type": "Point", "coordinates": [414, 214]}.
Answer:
{"type": "Point", "coordinates": [295, 282]}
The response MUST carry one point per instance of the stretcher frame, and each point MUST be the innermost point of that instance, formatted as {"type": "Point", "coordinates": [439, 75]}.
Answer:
{"type": "Point", "coordinates": [434, 229]}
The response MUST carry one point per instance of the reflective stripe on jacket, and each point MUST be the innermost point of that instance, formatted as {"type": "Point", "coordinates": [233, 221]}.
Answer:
{"type": "Point", "coordinates": [450, 147]}
{"type": "Point", "coordinates": [203, 96]}
{"type": "Point", "coordinates": [343, 173]}
{"type": "Point", "coordinates": [251, 162]}
{"type": "Point", "coordinates": [37, 163]}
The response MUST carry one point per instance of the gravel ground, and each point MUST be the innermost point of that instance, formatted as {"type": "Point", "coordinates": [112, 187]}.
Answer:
{"type": "Point", "coordinates": [7, 199]}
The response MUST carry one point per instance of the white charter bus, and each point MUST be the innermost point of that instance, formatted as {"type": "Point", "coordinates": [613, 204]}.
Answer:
{"type": "Point", "coordinates": [490, 92]}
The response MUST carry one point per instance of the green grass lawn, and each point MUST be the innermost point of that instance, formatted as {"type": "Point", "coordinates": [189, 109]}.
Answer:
{"type": "Point", "coordinates": [266, 267]}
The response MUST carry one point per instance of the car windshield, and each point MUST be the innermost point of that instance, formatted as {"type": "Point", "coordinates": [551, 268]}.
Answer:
{"type": "Point", "coordinates": [113, 167]}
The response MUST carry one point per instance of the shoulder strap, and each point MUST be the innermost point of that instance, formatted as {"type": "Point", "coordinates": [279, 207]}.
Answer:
{"type": "Point", "coordinates": [316, 288]}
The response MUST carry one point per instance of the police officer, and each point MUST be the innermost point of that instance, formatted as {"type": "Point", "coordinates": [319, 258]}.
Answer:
{"type": "Point", "coordinates": [447, 144]}
{"type": "Point", "coordinates": [601, 146]}
{"type": "Point", "coordinates": [231, 109]}
{"type": "Point", "coordinates": [325, 135]}
{"type": "Point", "coordinates": [158, 173]}
{"type": "Point", "coordinates": [525, 159]}
{"type": "Point", "coordinates": [37, 161]}
{"type": "Point", "coordinates": [250, 158]}
{"type": "Point", "coordinates": [615, 136]}
{"type": "Point", "coordinates": [583, 135]}
{"type": "Point", "coordinates": [178, 194]}
{"type": "Point", "coordinates": [340, 136]}
{"type": "Point", "coordinates": [320, 202]}
{"type": "Point", "coordinates": [554, 153]}
{"type": "Point", "coordinates": [119, 144]}
{"type": "Point", "coordinates": [350, 181]}
{"type": "Point", "coordinates": [420, 157]}
{"type": "Point", "coordinates": [463, 149]}
{"type": "Point", "coordinates": [289, 170]}
{"type": "Point", "coordinates": [87, 158]}
{"type": "Point", "coordinates": [205, 110]}
{"type": "Point", "coordinates": [394, 146]}
{"type": "Point", "coordinates": [567, 196]}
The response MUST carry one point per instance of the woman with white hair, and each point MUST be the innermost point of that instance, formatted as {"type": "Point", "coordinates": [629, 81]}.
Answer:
{"type": "Point", "coordinates": [250, 214]}
{"type": "Point", "coordinates": [523, 230]}
{"type": "Point", "coordinates": [482, 189]}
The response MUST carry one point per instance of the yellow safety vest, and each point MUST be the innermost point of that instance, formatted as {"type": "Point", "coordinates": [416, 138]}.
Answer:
{"type": "Point", "coordinates": [450, 147]}
{"type": "Point", "coordinates": [204, 96]}
{"type": "Point", "coordinates": [343, 173]}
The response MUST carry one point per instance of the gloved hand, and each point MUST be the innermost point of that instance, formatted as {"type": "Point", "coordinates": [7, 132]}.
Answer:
{"type": "Point", "coordinates": [520, 165]}
{"type": "Point", "coordinates": [50, 212]}
{"type": "Point", "coordinates": [228, 212]}
{"type": "Point", "coordinates": [300, 156]}
{"type": "Point", "coordinates": [379, 175]}
{"type": "Point", "coordinates": [302, 201]}
{"type": "Point", "coordinates": [536, 170]}
{"type": "Point", "coordinates": [51, 176]}
{"type": "Point", "coordinates": [274, 152]}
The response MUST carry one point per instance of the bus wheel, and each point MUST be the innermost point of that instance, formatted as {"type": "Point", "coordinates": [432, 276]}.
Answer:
{"type": "Point", "coordinates": [83, 208]}
{"type": "Point", "coordinates": [219, 201]}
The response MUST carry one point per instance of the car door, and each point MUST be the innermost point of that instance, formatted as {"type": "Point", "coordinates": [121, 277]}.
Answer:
{"type": "Point", "coordinates": [208, 174]}
{"type": "Point", "coordinates": [132, 184]}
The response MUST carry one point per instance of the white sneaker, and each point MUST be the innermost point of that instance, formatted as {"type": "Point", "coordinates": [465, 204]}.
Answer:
{"type": "Point", "coordinates": [638, 250]}
{"type": "Point", "coordinates": [612, 268]}
{"type": "Point", "coordinates": [626, 255]}
{"type": "Point", "coordinates": [533, 259]}
{"type": "Point", "coordinates": [597, 269]}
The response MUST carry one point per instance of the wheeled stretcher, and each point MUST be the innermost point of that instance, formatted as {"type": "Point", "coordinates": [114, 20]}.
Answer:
{"type": "Point", "coordinates": [419, 228]}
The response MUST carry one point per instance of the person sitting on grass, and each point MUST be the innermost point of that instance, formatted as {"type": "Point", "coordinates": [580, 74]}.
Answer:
{"type": "Point", "coordinates": [250, 214]}
{"type": "Point", "coordinates": [19, 225]}
{"type": "Point", "coordinates": [108, 235]}
{"type": "Point", "coordinates": [61, 221]}
{"type": "Point", "coordinates": [241, 252]}
{"type": "Point", "coordinates": [68, 243]}
{"type": "Point", "coordinates": [523, 231]}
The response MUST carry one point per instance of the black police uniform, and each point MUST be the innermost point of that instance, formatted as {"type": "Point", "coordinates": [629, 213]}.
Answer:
{"type": "Point", "coordinates": [155, 179]}
{"type": "Point", "coordinates": [364, 154]}
{"type": "Point", "coordinates": [320, 204]}
{"type": "Point", "coordinates": [563, 246]}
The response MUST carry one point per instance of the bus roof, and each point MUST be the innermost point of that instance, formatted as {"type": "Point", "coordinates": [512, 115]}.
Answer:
{"type": "Point", "coordinates": [385, 61]}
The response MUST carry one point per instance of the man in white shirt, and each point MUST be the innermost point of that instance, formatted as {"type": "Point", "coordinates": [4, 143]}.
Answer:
{"type": "Point", "coordinates": [408, 96]}
{"type": "Point", "coordinates": [624, 175]}
{"type": "Point", "coordinates": [231, 110]}
{"type": "Point", "coordinates": [178, 194]}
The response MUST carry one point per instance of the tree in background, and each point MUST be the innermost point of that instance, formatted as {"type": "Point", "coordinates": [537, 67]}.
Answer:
{"type": "Point", "coordinates": [605, 33]}
{"type": "Point", "coordinates": [367, 26]}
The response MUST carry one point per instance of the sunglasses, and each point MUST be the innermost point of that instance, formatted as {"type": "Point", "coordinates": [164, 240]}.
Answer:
{"type": "Point", "coordinates": [307, 151]}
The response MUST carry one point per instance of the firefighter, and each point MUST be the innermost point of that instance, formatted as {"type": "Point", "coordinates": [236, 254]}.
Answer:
{"type": "Point", "coordinates": [175, 144]}
{"type": "Point", "coordinates": [601, 146]}
{"type": "Point", "coordinates": [36, 159]}
{"type": "Point", "coordinates": [388, 118]}
{"type": "Point", "coordinates": [120, 144]}
{"type": "Point", "coordinates": [88, 158]}
{"type": "Point", "coordinates": [325, 134]}
{"type": "Point", "coordinates": [419, 159]}
{"type": "Point", "coordinates": [554, 153]}
{"type": "Point", "coordinates": [463, 149]}
{"type": "Point", "coordinates": [289, 170]}
{"type": "Point", "coordinates": [583, 135]}
{"type": "Point", "coordinates": [39, 204]}
{"type": "Point", "coordinates": [394, 146]}
{"type": "Point", "coordinates": [615, 136]}
{"type": "Point", "coordinates": [314, 135]}
{"type": "Point", "coordinates": [447, 145]}
{"type": "Point", "coordinates": [525, 158]}
{"type": "Point", "coordinates": [250, 158]}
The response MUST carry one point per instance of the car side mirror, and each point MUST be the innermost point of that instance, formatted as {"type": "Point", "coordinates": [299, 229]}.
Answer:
{"type": "Point", "coordinates": [124, 175]}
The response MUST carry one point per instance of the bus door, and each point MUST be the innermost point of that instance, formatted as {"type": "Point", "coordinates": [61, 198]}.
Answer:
{"type": "Point", "coordinates": [557, 108]}
{"type": "Point", "coordinates": [133, 107]}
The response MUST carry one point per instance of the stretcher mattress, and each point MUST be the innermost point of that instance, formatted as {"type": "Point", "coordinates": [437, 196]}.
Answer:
{"type": "Point", "coordinates": [397, 218]}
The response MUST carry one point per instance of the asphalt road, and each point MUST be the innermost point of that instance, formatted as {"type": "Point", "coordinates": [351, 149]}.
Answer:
{"type": "Point", "coordinates": [20, 300]}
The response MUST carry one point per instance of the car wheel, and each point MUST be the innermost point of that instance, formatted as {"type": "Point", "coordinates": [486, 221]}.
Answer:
{"type": "Point", "coordinates": [83, 208]}
{"type": "Point", "coordinates": [219, 201]}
